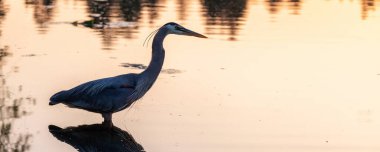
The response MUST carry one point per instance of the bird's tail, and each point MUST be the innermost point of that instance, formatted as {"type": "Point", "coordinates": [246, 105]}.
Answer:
{"type": "Point", "coordinates": [56, 98]}
{"type": "Point", "coordinates": [52, 103]}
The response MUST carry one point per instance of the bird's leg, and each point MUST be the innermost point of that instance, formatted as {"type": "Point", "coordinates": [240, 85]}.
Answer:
{"type": "Point", "coordinates": [107, 119]}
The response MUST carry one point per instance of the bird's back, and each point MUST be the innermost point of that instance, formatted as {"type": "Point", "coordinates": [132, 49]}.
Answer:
{"type": "Point", "coordinates": [102, 95]}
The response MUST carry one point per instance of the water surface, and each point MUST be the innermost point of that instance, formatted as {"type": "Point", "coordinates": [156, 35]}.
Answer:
{"type": "Point", "coordinates": [300, 75]}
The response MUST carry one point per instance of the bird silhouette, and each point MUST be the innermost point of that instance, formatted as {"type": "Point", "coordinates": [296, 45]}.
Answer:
{"type": "Point", "coordinates": [96, 138]}
{"type": "Point", "coordinates": [109, 95]}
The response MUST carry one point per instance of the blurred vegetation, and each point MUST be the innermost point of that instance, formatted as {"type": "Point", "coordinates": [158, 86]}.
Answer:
{"type": "Point", "coordinates": [221, 17]}
{"type": "Point", "coordinates": [12, 106]}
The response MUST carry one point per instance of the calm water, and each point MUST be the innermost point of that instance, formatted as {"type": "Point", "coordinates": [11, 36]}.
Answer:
{"type": "Point", "coordinates": [274, 76]}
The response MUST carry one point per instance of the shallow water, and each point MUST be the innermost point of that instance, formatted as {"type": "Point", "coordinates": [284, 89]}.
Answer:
{"type": "Point", "coordinates": [273, 76]}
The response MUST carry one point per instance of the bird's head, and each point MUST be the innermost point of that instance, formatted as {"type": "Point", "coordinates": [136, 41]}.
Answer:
{"type": "Point", "coordinates": [174, 28]}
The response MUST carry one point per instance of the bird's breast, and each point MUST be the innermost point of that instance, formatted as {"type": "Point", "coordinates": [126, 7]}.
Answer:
{"type": "Point", "coordinates": [139, 91]}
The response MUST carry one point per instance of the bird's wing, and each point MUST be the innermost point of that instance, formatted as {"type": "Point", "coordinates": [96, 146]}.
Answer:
{"type": "Point", "coordinates": [94, 88]}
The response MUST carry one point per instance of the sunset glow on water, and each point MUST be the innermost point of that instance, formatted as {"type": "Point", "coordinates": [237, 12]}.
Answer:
{"type": "Point", "coordinates": [289, 76]}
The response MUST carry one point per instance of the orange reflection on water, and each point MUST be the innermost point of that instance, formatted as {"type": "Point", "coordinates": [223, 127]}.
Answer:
{"type": "Point", "coordinates": [298, 75]}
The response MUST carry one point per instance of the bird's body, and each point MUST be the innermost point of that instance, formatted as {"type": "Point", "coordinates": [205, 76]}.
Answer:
{"type": "Point", "coordinates": [113, 94]}
{"type": "Point", "coordinates": [91, 95]}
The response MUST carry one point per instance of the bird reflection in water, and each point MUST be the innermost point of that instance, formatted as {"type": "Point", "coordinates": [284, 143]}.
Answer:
{"type": "Point", "coordinates": [96, 137]}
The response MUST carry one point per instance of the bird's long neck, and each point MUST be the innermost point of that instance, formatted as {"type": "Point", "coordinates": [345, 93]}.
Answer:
{"type": "Point", "coordinates": [158, 55]}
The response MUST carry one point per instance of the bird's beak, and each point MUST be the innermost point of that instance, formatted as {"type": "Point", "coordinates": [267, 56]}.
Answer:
{"type": "Point", "coordinates": [192, 33]}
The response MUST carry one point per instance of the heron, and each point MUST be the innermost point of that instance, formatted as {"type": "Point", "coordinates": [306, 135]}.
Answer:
{"type": "Point", "coordinates": [113, 94]}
